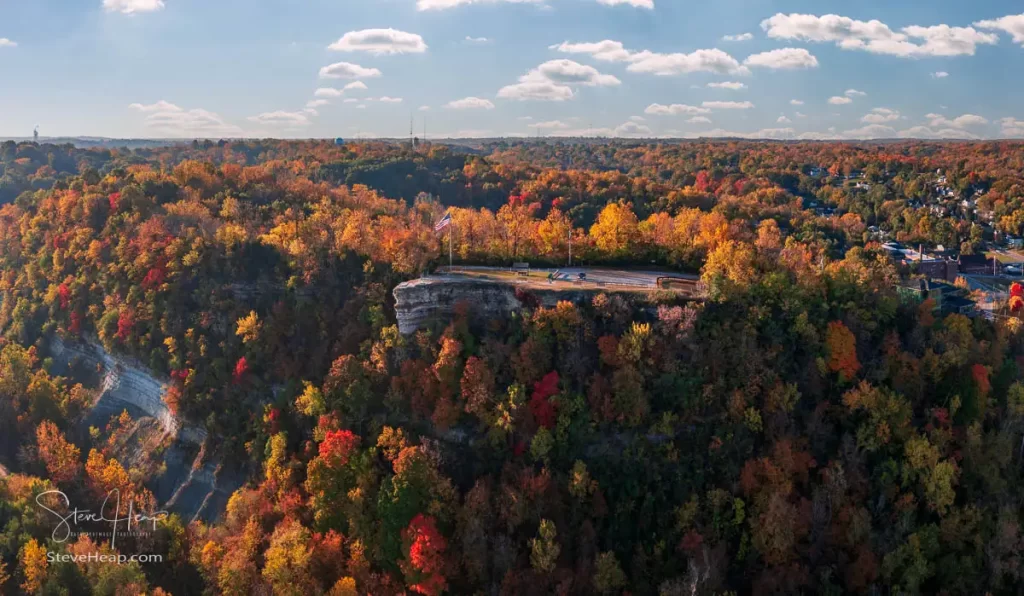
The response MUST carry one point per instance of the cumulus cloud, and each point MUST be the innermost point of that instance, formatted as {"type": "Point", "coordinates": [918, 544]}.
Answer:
{"type": "Point", "coordinates": [446, 4]}
{"type": "Point", "coordinates": [316, 103]}
{"type": "Point", "coordinates": [924, 132]}
{"type": "Point", "coordinates": [553, 124]}
{"type": "Point", "coordinates": [881, 116]}
{"type": "Point", "coordinates": [1013, 24]}
{"type": "Point", "coordinates": [940, 74]}
{"type": "Point", "coordinates": [649, 4]}
{"type": "Point", "coordinates": [1012, 127]}
{"type": "Point", "coordinates": [784, 120]}
{"type": "Point", "coordinates": [877, 37]}
{"type": "Point", "coordinates": [328, 92]}
{"type": "Point", "coordinates": [132, 6]}
{"type": "Point", "coordinates": [740, 37]}
{"type": "Point", "coordinates": [728, 105]}
{"type": "Point", "coordinates": [713, 60]}
{"type": "Point", "coordinates": [356, 85]}
{"type": "Point", "coordinates": [675, 109]}
{"type": "Point", "coordinates": [380, 42]}
{"type": "Point", "coordinates": [6, 43]}
{"type": "Point", "coordinates": [839, 100]}
{"type": "Point", "coordinates": [470, 103]}
{"type": "Point", "coordinates": [796, 102]}
{"type": "Point", "coordinates": [281, 119]}
{"type": "Point", "coordinates": [476, 39]}
{"type": "Point", "coordinates": [347, 70]}
{"type": "Point", "coordinates": [765, 133]}
{"type": "Point", "coordinates": [551, 81]}
{"type": "Point", "coordinates": [965, 121]}
{"type": "Point", "coordinates": [387, 99]}
{"type": "Point", "coordinates": [783, 58]}
{"type": "Point", "coordinates": [871, 131]}
{"type": "Point", "coordinates": [699, 120]}
{"type": "Point", "coordinates": [728, 85]}
{"type": "Point", "coordinates": [854, 93]}
{"type": "Point", "coordinates": [166, 119]}
{"type": "Point", "coordinates": [638, 119]}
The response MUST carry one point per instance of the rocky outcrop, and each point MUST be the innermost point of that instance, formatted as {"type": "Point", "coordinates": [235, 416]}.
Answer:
{"type": "Point", "coordinates": [189, 482]}
{"type": "Point", "coordinates": [422, 300]}
{"type": "Point", "coordinates": [124, 384]}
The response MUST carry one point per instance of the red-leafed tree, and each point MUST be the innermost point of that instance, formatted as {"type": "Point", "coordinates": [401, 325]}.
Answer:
{"type": "Point", "coordinates": [337, 447]}
{"type": "Point", "coordinates": [842, 350]}
{"type": "Point", "coordinates": [540, 405]}
{"type": "Point", "coordinates": [424, 564]}
{"type": "Point", "coordinates": [241, 369]}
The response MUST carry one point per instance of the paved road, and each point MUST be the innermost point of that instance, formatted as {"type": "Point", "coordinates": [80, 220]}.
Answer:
{"type": "Point", "coordinates": [595, 276]}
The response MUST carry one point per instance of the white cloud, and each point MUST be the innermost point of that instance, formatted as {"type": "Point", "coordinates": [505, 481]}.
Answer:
{"type": "Point", "coordinates": [839, 101]}
{"type": "Point", "coordinates": [1011, 127]}
{"type": "Point", "coordinates": [740, 37]}
{"type": "Point", "coordinates": [476, 39]}
{"type": "Point", "coordinates": [801, 115]}
{"type": "Point", "coordinates": [380, 42]}
{"type": "Point", "coordinates": [567, 72]}
{"type": "Point", "coordinates": [470, 103]}
{"type": "Point", "coordinates": [940, 74]}
{"type": "Point", "coordinates": [387, 99]}
{"type": "Point", "coordinates": [675, 109]}
{"type": "Point", "coordinates": [728, 105]}
{"type": "Point", "coordinates": [424, 108]}
{"type": "Point", "coordinates": [796, 102]}
{"type": "Point", "coordinates": [132, 6]}
{"type": "Point", "coordinates": [923, 132]}
{"type": "Point", "coordinates": [783, 58]}
{"type": "Point", "coordinates": [554, 124]}
{"type": "Point", "coordinates": [445, 4]}
{"type": "Point", "coordinates": [699, 120]}
{"type": "Point", "coordinates": [165, 118]}
{"type": "Point", "coordinates": [713, 60]}
{"type": "Point", "coordinates": [939, 121]}
{"type": "Point", "coordinates": [356, 85]}
{"type": "Point", "coordinates": [631, 129]}
{"type": "Point", "coordinates": [854, 93]}
{"type": "Point", "coordinates": [6, 43]}
{"type": "Point", "coordinates": [1013, 24]}
{"type": "Point", "coordinates": [877, 37]}
{"type": "Point", "coordinates": [765, 133]}
{"type": "Point", "coordinates": [607, 50]}
{"type": "Point", "coordinates": [539, 91]}
{"type": "Point", "coordinates": [881, 116]}
{"type": "Point", "coordinates": [282, 119]}
{"type": "Point", "coordinates": [347, 70]}
{"type": "Point", "coordinates": [636, 3]}
{"type": "Point", "coordinates": [328, 92]}
{"type": "Point", "coordinates": [638, 119]}
{"type": "Point", "coordinates": [316, 103]}
{"type": "Point", "coordinates": [871, 131]}
{"type": "Point", "coordinates": [784, 120]}
{"type": "Point", "coordinates": [551, 81]}
{"type": "Point", "coordinates": [728, 85]}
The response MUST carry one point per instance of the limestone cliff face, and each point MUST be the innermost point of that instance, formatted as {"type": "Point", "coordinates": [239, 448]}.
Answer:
{"type": "Point", "coordinates": [422, 300]}
{"type": "Point", "coordinates": [190, 482]}
{"type": "Point", "coordinates": [124, 384]}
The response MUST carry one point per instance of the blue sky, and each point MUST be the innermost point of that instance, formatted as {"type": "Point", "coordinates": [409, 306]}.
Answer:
{"type": "Point", "coordinates": [212, 68]}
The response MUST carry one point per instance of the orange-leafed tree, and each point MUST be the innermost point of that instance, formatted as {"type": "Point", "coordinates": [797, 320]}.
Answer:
{"type": "Point", "coordinates": [842, 350]}
{"type": "Point", "coordinates": [61, 457]}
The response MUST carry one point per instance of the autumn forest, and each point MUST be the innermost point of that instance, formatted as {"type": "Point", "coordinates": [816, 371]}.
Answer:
{"type": "Point", "coordinates": [800, 427]}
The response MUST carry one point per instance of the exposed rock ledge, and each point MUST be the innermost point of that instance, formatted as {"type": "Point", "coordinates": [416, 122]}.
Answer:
{"type": "Point", "coordinates": [420, 301]}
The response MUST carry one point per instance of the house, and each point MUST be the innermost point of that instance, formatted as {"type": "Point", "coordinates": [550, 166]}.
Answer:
{"type": "Point", "coordinates": [948, 298]}
{"type": "Point", "coordinates": [976, 264]}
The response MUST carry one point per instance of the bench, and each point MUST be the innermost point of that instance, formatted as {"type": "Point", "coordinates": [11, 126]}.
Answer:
{"type": "Point", "coordinates": [521, 269]}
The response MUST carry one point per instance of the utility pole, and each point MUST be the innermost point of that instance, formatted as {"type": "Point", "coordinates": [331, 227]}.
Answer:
{"type": "Point", "coordinates": [451, 227]}
{"type": "Point", "coordinates": [570, 245]}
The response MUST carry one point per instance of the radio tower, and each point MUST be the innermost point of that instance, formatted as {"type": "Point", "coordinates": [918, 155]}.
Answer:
{"type": "Point", "coordinates": [411, 146]}
{"type": "Point", "coordinates": [35, 134]}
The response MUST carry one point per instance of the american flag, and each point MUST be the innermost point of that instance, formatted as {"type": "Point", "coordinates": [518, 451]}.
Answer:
{"type": "Point", "coordinates": [444, 223]}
